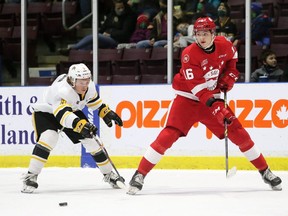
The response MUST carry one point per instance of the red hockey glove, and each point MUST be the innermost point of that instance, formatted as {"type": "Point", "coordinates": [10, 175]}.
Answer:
{"type": "Point", "coordinates": [108, 115]}
{"type": "Point", "coordinates": [222, 114]}
{"type": "Point", "coordinates": [226, 82]}
{"type": "Point", "coordinates": [85, 128]}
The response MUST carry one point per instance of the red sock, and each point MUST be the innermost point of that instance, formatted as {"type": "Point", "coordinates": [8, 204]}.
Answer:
{"type": "Point", "coordinates": [260, 163]}
{"type": "Point", "coordinates": [145, 166]}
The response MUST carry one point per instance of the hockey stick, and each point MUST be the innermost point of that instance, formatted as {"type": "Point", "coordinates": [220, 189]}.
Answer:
{"type": "Point", "coordinates": [120, 184]}
{"type": "Point", "coordinates": [232, 171]}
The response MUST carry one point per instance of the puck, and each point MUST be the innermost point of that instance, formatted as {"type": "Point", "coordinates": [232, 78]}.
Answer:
{"type": "Point", "coordinates": [63, 204]}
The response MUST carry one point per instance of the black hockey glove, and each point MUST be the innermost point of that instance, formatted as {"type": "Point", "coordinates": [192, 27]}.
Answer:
{"type": "Point", "coordinates": [108, 115]}
{"type": "Point", "coordinates": [85, 128]}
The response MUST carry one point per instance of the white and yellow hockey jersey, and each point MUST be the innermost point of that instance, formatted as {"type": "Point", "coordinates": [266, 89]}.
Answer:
{"type": "Point", "coordinates": [61, 100]}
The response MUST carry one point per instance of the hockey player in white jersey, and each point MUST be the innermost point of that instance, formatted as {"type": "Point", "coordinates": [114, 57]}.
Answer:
{"type": "Point", "coordinates": [61, 111]}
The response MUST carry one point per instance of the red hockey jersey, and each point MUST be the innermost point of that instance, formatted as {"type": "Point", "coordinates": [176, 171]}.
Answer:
{"type": "Point", "coordinates": [200, 71]}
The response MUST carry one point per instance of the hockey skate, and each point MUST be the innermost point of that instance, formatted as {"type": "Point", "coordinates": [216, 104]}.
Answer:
{"type": "Point", "coordinates": [271, 179]}
{"type": "Point", "coordinates": [114, 180]}
{"type": "Point", "coordinates": [136, 183]}
{"type": "Point", "coordinates": [29, 183]}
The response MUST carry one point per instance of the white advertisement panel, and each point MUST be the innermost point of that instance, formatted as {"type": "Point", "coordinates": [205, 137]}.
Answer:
{"type": "Point", "coordinates": [16, 130]}
{"type": "Point", "coordinates": [262, 109]}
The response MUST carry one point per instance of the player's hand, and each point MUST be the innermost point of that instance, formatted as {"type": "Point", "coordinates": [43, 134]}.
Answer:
{"type": "Point", "coordinates": [221, 113]}
{"type": "Point", "coordinates": [226, 82]}
{"type": "Point", "coordinates": [85, 128]}
{"type": "Point", "coordinates": [108, 115]}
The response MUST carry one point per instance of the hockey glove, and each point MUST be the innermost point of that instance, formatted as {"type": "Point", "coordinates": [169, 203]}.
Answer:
{"type": "Point", "coordinates": [226, 82]}
{"type": "Point", "coordinates": [108, 115]}
{"type": "Point", "coordinates": [222, 114]}
{"type": "Point", "coordinates": [85, 128]}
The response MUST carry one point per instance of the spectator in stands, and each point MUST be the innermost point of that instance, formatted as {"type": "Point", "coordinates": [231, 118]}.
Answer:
{"type": "Point", "coordinates": [260, 25]}
{"type": "Point", "coordinates": [224, 24]}
{"type": "Point", "coordinates": [117, 28]}
{"type": "Point", "coordinates": [142, 32]}
{"type": "Point", "coordinates": [184, 31]}
{"type": "Point", "coordinates": [207, 8]}
{"type": "Point", "coordinates": [104, 8]}
{"type": "Point", "coordinates": [269, 71]}
{"type": "Point", "coordinates": [216, 3]}
{"type": "Point", "coordinates": [180, 16]}
{"type": "Point", "coordinates": [85, 7]}
{"type": "Point", "coordinates": [158, 36]}
{"type": "Point", "coordinates": [285, 74]}
{"type": "Point", "coordinates": [184, 35]}
{"type": "Point", "coordinates": [147, 7]}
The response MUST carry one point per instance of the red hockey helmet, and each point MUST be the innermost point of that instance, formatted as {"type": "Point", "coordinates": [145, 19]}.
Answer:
{"type": "Point", "coordinates": [204, 24]}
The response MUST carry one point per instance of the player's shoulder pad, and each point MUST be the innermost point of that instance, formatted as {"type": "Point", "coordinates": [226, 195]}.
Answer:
{"type": "Point", "coordinates": [60, 78]}
{"type": "Point", "coordinates": [66, 92]}
{"type": "Point", "coordinates": [188, 52]}
{"type": "Point", "coordinates": [92, 92]}
{"type": "Point", "coordinates": [222, 40]}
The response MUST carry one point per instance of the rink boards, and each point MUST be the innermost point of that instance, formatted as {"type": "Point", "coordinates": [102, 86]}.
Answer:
{"type": "Point", "coordinates": [261, 108]}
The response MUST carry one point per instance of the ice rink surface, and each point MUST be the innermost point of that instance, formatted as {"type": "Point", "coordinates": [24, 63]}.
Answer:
{"type": "Point", "coordinates": [165, 192]}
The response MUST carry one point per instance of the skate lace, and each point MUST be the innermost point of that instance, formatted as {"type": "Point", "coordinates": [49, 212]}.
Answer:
{"type": "Point", "coordinates": [27, 176]}
{"type": "Point", "coordinates": [139, 178]}
{"type": "Point", "coordinates": [269, 175]}
{"type": "Point", "coordinates": [110, 176]}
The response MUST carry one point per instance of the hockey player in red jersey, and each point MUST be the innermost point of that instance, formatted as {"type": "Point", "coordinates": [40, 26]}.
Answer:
{"type": "Point", "coordinates": [208, 67]}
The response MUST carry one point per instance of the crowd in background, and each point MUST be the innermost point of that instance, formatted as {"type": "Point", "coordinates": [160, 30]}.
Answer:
{"type": "Point", "coordinates": [143, 24]}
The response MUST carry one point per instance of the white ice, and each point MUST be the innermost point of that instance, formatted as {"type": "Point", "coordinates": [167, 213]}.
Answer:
{"type": "Point", "coordinates": [165, 193]}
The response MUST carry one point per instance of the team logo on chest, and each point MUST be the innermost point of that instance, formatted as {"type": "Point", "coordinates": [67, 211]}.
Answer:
{"type": "Point", "coordinates": [63, 101]}
{"type": "Point", "coordinates": [211, 78]}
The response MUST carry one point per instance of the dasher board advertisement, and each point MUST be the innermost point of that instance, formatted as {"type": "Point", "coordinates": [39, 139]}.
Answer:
{"type": "Point", "coordinates": [261, 108]}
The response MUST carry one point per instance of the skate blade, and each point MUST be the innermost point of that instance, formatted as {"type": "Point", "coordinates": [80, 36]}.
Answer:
{"type": "Point", "coordinates": [28, 189]}
{"type": "Point", "coordinates": [277, 187]}
{"type": "Point", "coordinates": [120, 184]}
{"type": "Point", "coordinates": [132, 190]}
{"type": "Point", "coordinates": [231, 172]}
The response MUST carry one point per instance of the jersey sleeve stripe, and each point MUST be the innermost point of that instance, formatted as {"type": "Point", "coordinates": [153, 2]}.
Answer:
{"type": "Point", "coordinates": [62, 112]}
{"type": "Point", "coordinates": [61, 107]}
{"type": "Point", "coordinates": [64, 116]}
{"type": "Point", "coordinates": [199, 88]}
{"type": "Point", "coordinates": [94, 103]}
